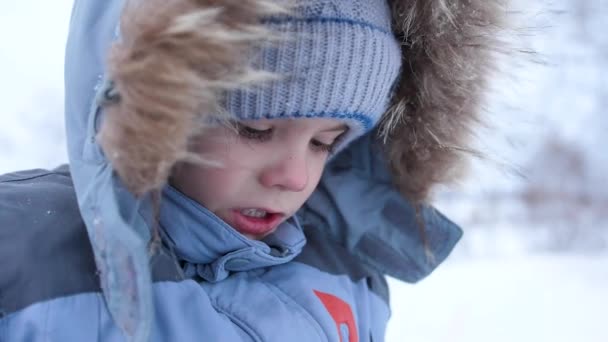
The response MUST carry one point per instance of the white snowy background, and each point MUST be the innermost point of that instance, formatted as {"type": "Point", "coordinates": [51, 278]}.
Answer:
{"type": "Point", "coordinates": [533, 265]}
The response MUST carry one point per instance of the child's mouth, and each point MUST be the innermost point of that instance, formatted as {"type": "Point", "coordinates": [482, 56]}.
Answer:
{"type": "Point", "coordinates": [254, 221]}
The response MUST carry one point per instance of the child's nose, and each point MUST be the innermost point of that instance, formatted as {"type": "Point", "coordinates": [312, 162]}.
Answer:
{"type": "Point", "coordinates": [289, 172]}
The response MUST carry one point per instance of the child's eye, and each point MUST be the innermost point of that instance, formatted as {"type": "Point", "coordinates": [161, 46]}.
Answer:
{"type": "Point", "coordinates": [254, 134]}
{"type": "Point", "coordinates": [322, 147]}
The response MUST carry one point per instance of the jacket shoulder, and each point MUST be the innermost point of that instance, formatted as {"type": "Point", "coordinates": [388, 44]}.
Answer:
{"type": "Point", "coordinates": [43, 240]}
{"type": "Point", "coordinates": [327, 255]}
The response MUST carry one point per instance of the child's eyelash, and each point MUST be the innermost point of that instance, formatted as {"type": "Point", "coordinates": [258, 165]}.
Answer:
{"type": "Point", "coordinates": [254, 134]}
{"type": "Point", "coordinates": [321, 147]}
{"type": "Point", "coordinates": [266, 134]}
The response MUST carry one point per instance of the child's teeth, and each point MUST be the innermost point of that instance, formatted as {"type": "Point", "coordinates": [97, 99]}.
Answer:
{"type": "Point", "coordinates": [253, 212]}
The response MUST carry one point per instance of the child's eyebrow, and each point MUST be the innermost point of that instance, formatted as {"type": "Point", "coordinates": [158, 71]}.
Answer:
{"type": "Point", "coordinates": [342, 127]}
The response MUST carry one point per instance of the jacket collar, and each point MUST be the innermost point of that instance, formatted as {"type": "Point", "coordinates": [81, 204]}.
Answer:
{"type": "Point", "coordinates": [357, 205]}
{"type": "Point", "coordinates": [212, 249]}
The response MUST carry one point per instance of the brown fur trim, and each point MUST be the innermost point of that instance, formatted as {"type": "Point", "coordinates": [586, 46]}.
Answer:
{"type": "Point", "coordinates": [176, 59]}
{"type": "Point", "coordinates": [448, 56]}
{"type": "Point", "coordinates": [170, 68]}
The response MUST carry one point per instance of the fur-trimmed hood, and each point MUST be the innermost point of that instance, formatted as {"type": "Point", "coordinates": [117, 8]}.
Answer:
{"type": "Point", "coordinates": [196, 49]}
{"type": "Point", "coordinates": [138, 89]}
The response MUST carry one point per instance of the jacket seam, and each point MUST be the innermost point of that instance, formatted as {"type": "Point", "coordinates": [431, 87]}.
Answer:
{"type": "Point", "coordinates": [309, 317]}
{"type": "Point", "coordinates": [370, 293]}
{"type": "Point", "coordinates": [333, 238]}
{"type": "Point", "coordinates": [255, 336]}
{"type": "Point", "coordinates": [377, 266]}
{"type": "Point", "coordinates": [3, 327]}
{"type": "Point", "coordinates": [101, 304]}
{"type": "Point", "coordinates": [45, 331]}
{"type": "Point", "coordinates": [22, 179]}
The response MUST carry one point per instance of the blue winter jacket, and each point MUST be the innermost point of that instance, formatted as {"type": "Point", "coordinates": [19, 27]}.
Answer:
{"type": "Point", "coordinates": [76, 265]}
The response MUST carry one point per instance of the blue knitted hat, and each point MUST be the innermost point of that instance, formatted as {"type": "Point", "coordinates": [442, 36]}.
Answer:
{"type": "Point", "coordinates": [336, 59]}
{"type": "Point", "coordinates": [339, 60]}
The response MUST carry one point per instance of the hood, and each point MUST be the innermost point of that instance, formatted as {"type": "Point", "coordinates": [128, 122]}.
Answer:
{"type": "Point", "coordinates": [126, 131]}
{"type": "Point", "coordinates": [447, 56]}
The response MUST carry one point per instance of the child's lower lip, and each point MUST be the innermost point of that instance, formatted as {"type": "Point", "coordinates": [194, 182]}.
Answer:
{"type": "Point", "coordinates": [253, 225]}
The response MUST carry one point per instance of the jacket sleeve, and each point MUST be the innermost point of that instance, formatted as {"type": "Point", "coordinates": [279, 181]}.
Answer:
{"type": "Point", "coordinates": [183, 313]}
{"type": "Point", "coordinates": [49, 289]}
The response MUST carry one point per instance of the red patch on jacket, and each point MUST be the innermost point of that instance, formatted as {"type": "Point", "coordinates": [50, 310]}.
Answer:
{"type": "Point", "coordinates": [341, 312]}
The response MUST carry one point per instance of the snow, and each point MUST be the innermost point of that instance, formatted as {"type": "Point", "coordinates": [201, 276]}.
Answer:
{"type": "Point", "coordinates": [525, 270]}
{"type": "Point", "coordinates": [33, 35]}
{"type": "Point", "coordinates": [527, 298]}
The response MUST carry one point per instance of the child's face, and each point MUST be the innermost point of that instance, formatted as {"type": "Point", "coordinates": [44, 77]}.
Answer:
{"type": "Point", "coordinates": [268, 170]}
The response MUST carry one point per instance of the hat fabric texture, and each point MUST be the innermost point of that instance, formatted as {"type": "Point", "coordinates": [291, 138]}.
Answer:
{"type": "Point", "coordinates": [335, 59]}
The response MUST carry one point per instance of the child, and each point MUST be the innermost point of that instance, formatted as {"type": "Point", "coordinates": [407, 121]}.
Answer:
{"type": "Point", "coordinates": [229, 165]}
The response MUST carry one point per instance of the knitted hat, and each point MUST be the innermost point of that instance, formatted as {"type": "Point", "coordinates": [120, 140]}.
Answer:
{"type": "Point", "coordinates": [336, 59]}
